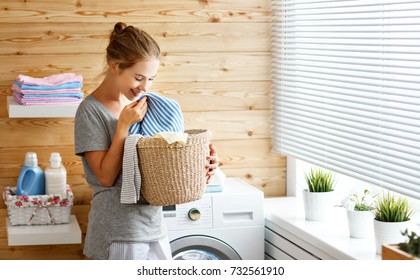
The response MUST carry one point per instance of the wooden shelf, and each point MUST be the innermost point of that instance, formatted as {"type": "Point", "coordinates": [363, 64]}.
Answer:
{"type": "Point", "coordinates": [44, 234]}
{"type": "Point", "coordinates": [40, 111]}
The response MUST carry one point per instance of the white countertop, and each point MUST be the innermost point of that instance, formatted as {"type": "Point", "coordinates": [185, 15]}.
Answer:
{"type": "Point", "coordinates": [44, 234]}
{"type": "Point", "coordinates": [331, 236]}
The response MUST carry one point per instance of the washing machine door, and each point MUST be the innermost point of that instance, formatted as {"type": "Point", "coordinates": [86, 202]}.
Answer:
{"type": "Point", "coordinates": [202, 247]}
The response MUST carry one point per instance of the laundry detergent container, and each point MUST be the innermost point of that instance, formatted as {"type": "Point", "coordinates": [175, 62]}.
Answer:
{"type": "Point", "coordinates": [174, 173]}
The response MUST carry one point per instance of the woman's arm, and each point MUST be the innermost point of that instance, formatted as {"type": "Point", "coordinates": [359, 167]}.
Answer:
{"type": "Point", "coordinates": [107, 164]}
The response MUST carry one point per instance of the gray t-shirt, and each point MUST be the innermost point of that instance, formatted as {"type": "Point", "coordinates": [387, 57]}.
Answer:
{"type": "Point", "coordinates": [109, 220]}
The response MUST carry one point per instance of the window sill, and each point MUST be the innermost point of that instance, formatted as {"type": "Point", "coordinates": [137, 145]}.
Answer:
{"type": "Point", "coordinates": [326, 240]}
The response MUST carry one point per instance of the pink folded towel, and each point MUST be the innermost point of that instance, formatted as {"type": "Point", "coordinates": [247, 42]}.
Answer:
{"type": "Point", "coordinates": [46, 101]}
{"type": "Point", "coordinates": [52, 80]}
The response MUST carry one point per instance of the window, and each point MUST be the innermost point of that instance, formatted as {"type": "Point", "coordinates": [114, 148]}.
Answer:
{"type": "Point", "coordinates": [346, 88]}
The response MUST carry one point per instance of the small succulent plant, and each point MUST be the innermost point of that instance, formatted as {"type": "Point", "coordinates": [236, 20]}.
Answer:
{"type": "Point", "coordinates": [389, 208]}
{"type": "Point", "coordinates": [359, 201]}
{"type": "Point", "coordinates": [319, 180]}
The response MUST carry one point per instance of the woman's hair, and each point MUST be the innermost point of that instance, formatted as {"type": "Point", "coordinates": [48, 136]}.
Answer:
{"type": "Point", "coordinates": [129, 45]}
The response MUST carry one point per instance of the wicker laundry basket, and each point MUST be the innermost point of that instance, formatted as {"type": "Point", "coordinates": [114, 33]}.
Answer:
{"type": "Point", "coordinates": [173, 173]}
{"type": "Point", "coordinates": [38, 209]}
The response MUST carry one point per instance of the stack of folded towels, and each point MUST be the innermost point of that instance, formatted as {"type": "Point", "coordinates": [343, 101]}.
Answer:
{"type": "Point", "coordinates": [65, 88]}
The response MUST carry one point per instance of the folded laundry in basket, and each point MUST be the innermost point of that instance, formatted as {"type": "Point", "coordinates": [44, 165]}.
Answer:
{"type": "Point", "coordinates": [173, 137]}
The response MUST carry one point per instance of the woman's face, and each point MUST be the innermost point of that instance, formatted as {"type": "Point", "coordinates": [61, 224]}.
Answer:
{"type": "Point", "coordinates": [137, 79]}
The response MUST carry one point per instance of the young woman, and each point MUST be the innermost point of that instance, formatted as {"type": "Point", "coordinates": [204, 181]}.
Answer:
{"type": "Point", "coordinates": [102, 122]}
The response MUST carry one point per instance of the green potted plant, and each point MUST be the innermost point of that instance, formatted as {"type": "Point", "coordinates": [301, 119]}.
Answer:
{"type": "Point", "coordinates": [319, 196]}
{"type": "Point", "coordinates": [392, 216]}
{"type": "Point", "coordinates": [409, 250]}
{"type": "Point", "coordinates": [359, 206]}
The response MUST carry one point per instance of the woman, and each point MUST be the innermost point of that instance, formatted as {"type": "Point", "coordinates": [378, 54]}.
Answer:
{"type": "Point", "coordinates": [102, 122]}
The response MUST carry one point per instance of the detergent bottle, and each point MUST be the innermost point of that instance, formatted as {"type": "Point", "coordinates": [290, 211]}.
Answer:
{"type": "Point", "coordinates": [55, 176]}
{"type": "Point", "coordinates": [31, 179]}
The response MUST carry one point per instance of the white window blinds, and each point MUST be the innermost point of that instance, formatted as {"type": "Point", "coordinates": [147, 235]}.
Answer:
{"type": "Point", "coordinates": [346, 88]}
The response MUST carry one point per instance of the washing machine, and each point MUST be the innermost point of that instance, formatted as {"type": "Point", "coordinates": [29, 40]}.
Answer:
{"type": "Point", "coordinates": [226, 225]}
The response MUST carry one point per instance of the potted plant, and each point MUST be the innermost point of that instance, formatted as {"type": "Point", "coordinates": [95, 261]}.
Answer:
{"type": "Point", "coordinates": [409, 250]}
{"type": "Point", "coordinates": [359, 206]}
{"type": "Point", "coordinates": [392, 216]}
{"type": "Point", "coordinates": [319, 196]}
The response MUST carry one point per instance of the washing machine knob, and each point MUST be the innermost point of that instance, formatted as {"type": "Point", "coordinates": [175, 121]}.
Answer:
{"type": "Point", "coordinates": [194, 214]}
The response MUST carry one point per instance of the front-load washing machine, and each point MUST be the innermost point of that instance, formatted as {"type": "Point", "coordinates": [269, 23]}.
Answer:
{"type": "Point", "coordinates": [227, 225]}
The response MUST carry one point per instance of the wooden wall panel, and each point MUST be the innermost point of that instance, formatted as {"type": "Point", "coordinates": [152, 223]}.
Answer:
{"type": "Point", "coordinates": [132, 10]}
{"type": "Point", "coordinates": [37, 38]}
{"type": "Point", "coordinates": [174, 67]}
{"type": "Point", "coordinates": [215, 62]}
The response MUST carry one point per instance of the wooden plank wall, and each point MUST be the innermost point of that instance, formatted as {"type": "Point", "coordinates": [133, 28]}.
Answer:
{"type": "Point", "coordinates": [216, 63]}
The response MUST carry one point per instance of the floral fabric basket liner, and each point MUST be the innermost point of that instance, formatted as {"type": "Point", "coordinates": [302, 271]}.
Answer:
{"type": "Point", "coordinates": [38, 209]}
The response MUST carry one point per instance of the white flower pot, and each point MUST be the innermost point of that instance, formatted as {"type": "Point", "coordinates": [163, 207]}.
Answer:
{"type": "Point", "coordinates": [318, 205]}
{"type": "Point", "coordinates": [360, 223]}
{"type": "Point", "coordinates": [389, 233]}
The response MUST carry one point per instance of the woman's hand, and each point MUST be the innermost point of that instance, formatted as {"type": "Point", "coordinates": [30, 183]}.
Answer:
{"type": "Point", "coordinates": [133, 112]}
{"type": "Point", "coordinates": [213, 163]}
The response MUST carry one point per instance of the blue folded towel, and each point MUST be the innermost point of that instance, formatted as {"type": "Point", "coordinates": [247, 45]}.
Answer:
{"type": "Point", "coordinates": [61, 86]}
{"type": "Point", "coordinates": [163, 115]}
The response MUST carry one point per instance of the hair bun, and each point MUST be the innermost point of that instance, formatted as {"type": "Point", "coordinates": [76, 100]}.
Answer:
{"type": "Point", "coordinates": [118, 28]}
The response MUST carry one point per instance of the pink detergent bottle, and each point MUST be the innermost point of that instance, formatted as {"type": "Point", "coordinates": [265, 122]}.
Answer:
{"type": "Point", "coordinates": [31, 179]}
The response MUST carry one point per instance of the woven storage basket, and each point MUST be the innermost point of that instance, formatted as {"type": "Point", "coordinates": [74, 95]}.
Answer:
{"type": "Point", "coordinates": [173, 173]}
{"type": "Point", "coordinates": [38, 209]}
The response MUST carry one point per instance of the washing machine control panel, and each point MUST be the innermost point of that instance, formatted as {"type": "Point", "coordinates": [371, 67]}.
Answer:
{"type": "Point", "coordinates": [192, 215]}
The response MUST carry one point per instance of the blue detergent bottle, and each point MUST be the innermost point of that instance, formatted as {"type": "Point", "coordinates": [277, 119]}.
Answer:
{"type": "Point", "coordinates": [31, 179]}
